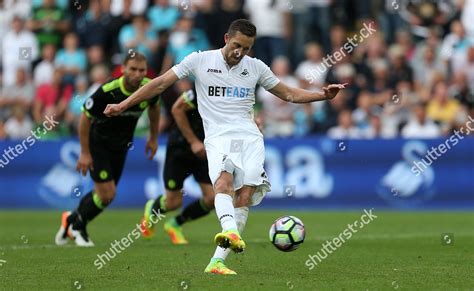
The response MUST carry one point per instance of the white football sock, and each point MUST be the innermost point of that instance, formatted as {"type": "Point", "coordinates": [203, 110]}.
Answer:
{"type": "Point", "coordinates": [241, 215]}
{"type": "Point", "coordinates": [225, 211]}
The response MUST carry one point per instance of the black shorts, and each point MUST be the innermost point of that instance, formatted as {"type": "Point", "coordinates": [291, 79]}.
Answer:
{"type": "Point", "coordinates": [179, 164]}
{"type": "Point", "coordinates": [107, 163]}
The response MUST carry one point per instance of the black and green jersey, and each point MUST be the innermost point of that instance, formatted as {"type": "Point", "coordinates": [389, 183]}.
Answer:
{"type": "Point", "coordinates": [175, 136]}
{"type": "Point", "coordinates": [116, 131]}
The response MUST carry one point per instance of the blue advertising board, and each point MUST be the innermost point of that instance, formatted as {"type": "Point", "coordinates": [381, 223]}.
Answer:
{"type": "Point", "coordinates": [306, 173]}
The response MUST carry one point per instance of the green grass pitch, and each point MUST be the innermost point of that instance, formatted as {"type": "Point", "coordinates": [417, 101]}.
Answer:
{"type": "Point", "coordinates": [398, 250]}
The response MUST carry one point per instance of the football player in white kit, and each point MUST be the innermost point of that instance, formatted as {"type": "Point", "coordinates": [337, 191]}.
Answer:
{"type": "Point", "coordinates": [225, 83]}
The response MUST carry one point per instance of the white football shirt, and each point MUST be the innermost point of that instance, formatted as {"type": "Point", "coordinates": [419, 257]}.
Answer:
{"type": "Point", "coordinates": [226, 96]}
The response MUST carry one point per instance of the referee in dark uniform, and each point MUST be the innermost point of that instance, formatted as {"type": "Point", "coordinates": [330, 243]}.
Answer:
{"type": "Point", "coordinates": [104, 145]}
{"type": "Point", "coordinates": [185, 156]}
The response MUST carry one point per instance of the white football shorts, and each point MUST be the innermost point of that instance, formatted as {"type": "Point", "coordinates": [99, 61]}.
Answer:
{"type": "Point", "coordinates": [241, 156]}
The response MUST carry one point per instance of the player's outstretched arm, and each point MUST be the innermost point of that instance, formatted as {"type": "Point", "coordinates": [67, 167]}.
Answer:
{"type": "Point", "coordinates": [85, 159]}
{"type": "Point", "coordinates": [153, 88]}
{"type": "Point", "coordinates": [298, 95]}
{"type": "Point", "coordinates": [152, 142]}
{"type": "Point", "coordinates": [180, 107]}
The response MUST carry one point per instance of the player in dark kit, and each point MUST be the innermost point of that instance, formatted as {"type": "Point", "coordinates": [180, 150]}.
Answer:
{"type": "Point", "coordinates": [104, 145]}
{"type": "Point", "coordinates": [185, 155]}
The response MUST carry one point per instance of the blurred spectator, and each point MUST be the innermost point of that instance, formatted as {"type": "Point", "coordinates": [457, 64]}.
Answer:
{"type": "Point", "coordinates": [461, 91]}
{"type": "Point", "coordinates": [73, 111]}
{"type": "Point", "coordinates": [222, 16]}
{"type": "Point", "coordinates": [337, 36]}
{"type": "Point", "coordinates": [19, 49]}
{"type": "Point", "coordinates": [374, 128]}
{"type": "Point", "coordinates": [60, 3]}
{"type": "Point", "coordinates": [162, 15]}
{"type": "Point", "coordinates": [459, 123]}
{"type": "Point", "coordinates": [420, 126]}
{"type": "Point", "coordinates": [19, 125]}
{"type": "Point", "coordinates": [128, 7]}
{"type": "Point", "coordinates": [442, 108]}
{"type": "Point", "coordinates": [380, 86]}
{"type": "Point", "coordinates": [318, 22]}
{"type": "Point", "coordinates": [389, 19]}
{"type": "Point", "coordinates": [43, 72]}
{"type": "Point", "coordinates": [468, 16]}
{"type": "Point", "coordinates": [184, 40]}
{"type": "Point", "coordinates": [97, 21]}
{"type": "Point", "coordinates": [138, 36]}
{"type": "Point", "coordinates": [71, 59]}
{"type": "Point", "coordinates": [426, 67]}
{"type": "Point", "coordinates": [454, 47]}
{"type": "Point", "coordinates": [468, 67]}
{"type": "Point", "coordinates": [326, 117]}
{"type": "Point", "coordinates": [404, 40]}
{"type": "Point", "coordinates": [52, 99]}
{"type": "Point", "coordinates": [49, 22]}
{"type": "Point", "coordinates": [361, 115]}
{"type": "Point", "coordinates": [345, 128]}
{"type": "Point", "coordinates": [278, 114]}
{"type": "Point", "coordinates": [272, 19]}
{"type": "Point", "coordinates": [345, 73]}
{"type": "Point", "coordinates": [3, 134]}
{"type": "Point", "coordinates": [312, 72]}
{"type": "Point", "coordinates": [95, 56]}
{"type": "Point", "coordinates": [422, 14]}
{"type": "Point", "coordinates": [20, 94]}
{"type": "Point", "coordinates": [399, 68]}
{"type": "Point", "coordinates": [21, 8]}
{"type": "Point", "coordinates": [98, 76]}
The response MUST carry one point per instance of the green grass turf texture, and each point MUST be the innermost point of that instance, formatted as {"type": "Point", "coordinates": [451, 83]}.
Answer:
{"type": "Point", "coordinates": [398, 250]}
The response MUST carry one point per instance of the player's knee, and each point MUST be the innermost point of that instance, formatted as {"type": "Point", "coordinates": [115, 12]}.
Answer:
{"type": "Point", "coordinates": [244, 197]}
{"type": "Point", "coordinates": [223, 186]}
{"type": "Point", "coordinates": [242, 201]}
{"type": "Point", "coordinates": [106, 194]}
{"type": "Point", "coordinates": [173, 202]}
{"type": "Point", "coordinates": [209, 202]}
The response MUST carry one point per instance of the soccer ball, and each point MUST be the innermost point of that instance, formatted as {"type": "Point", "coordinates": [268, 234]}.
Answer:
{"type": "Point", "coordinates": [287, 233]}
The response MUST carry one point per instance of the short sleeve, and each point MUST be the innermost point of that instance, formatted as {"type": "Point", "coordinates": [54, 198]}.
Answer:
{"type": "Point", "coordinates": [94, 106]}
{"type": "Point", "coordinates": [267, 78]}
{"type": "Point", "coordinates": [187, 66]}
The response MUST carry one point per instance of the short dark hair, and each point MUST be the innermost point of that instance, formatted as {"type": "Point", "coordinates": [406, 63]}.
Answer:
{"type": "Point", "coordinates": [133, 55]}
{"type": "Point", "coordinates": [243, 26]}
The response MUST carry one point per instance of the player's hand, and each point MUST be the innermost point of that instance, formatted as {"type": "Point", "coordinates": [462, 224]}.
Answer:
{"type": "Point", "coordinates": [84, 163]}
{"type": "Point", "coordinates": [199, 149]}
{"type": "Point", "coordinates": [151, 147]}
{"type": "Point", "coordinates": [113, 110]}
{"type": "Point", "coordinates": [331, 91]}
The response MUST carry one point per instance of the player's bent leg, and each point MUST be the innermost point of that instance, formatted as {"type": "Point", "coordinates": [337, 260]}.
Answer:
{"type": "Point", "coordinates": [223, 202]}
{"type": "Point", "coordinates": [243, 200]}
{"type": "Point", "coordinates": [91, 206]}
{"type": "Point", "coordinates": [73, 224]}
{"type": "Point", "coordinates": [196, 209]}
{"type": "Point", "coordinates": [154, 209]}
{"type": "Point", "coordinates": [174, 200]}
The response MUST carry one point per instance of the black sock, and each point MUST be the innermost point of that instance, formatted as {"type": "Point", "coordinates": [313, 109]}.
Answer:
{"type": "Point", "coordinates": [193, 211]}
{"type": "Point", "coordinates": [159, 206]}
{"type": "Point", "coordinates": [89, 207]}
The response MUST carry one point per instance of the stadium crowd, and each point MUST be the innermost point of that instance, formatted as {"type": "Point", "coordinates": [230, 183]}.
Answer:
{"type": "Point", "coordinates": [409, 64]}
